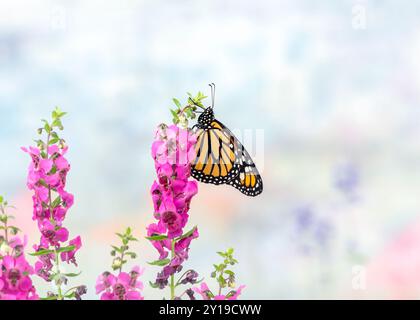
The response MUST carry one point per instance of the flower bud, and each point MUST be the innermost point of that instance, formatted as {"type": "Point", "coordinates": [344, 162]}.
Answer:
{"type": "Point", "coordinates": [117, 263]}
{"type": "Point", "coordinates": [5, 249]}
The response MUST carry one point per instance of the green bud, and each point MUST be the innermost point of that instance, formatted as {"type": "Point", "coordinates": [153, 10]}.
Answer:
{"type": "Point", "coordinates": [117, 263]}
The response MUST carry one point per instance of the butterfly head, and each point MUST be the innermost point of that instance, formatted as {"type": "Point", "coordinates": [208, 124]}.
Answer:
{"type": "Point", "coordinates": [206, 118]}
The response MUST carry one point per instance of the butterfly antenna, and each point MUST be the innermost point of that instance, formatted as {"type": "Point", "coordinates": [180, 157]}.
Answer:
{"type": "Point", "coordinates": [213, 93]}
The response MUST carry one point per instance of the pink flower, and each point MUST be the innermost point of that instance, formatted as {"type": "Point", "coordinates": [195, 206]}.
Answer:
{"type": "Point", "coordinates": [53, 149]}
{"type": "Point", "coordinates": [162, 246]}
{"type": "Point", "coordinates": [204, 291]}
{"type": "Point", "coordinates": [69, 256]}
{"type": "Point", "coordinates": [61, 163]}
{"type": "Point", "coordinates": [125, 286]}
{"type": "Point", "coordinates": [184, 243]}
{"type": "Point", "coordinates": [15, 272]}
{"type": "Point", "coordinates": [237, 293]}
{"type": "Point", "coordinates": [68, 198]}
{"type": "Point", "coordinates": [206, 294]}
{"type": "Point", "coordinates": [52, 235]}
{"type": "Point", "coordinates": [104, 282]}
{"type": "Point", "coordinates": [46, 165]}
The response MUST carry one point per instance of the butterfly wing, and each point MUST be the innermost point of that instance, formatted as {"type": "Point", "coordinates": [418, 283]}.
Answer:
{"type": "Point", "coordinates": [249, 180]}
{"type": "Point", "coordinates": [216, 161]}
{"type": "Point", "coordinates": [221, 158]}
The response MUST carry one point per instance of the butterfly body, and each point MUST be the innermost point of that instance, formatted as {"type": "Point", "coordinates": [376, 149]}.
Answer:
{"type": "Point", "coordinates": [221, 158]}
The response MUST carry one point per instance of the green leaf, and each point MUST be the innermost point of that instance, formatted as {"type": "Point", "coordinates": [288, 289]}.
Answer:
{"type": "Point", "coordinates": [177, 103]}
{"type": "Point", "coordinates": [53, 141]}
{"type": "Point", "coordinates": [66, 249]}
{"type": "Point", "coordinates": [231, 293]}
{"type": "Point", "coordinates": [54, 135]}
{"type": "Point", "coordinates": [41, 253]}
{"type": "Point", "coordinates": [43, 183]}
{"type": "Point", "coordinates": [1, 199]}
{"type": "Point", "coordinates": [160, 263]}
{"type": "Point", "coordinates": [188, 234]}
{"type": "Point", "coordinates": [57, 123]}
{"type": "Point", "coordinates": [229, 272]}
{"type": "Point", "coordinates": [175, 118]}
{"type": "Point", "coordinates": [70, 295]}
{"type": "Point", "coordinates": [47, 126]}
{"type": "Point", "coordinates": [116, 249]}
{"type": "Point", "coordinates": [57, 113]}
{"type": "Point", "coordinates": [72, 275]}
{"type": "Point", "coordinates": [221, 281]}
{"type": "Point", "coordinates": [56, 202]}
{"type": "Point", "coordinates": [153, 285]}
{"type": "Point", "coordinates": [157, 237]}
{"type": "Point", "coordinates": [188, 112]}
{"type": "Point", "coordinates": [49, 298]}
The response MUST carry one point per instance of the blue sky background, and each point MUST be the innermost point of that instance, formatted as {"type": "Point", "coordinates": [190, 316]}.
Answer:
{"type": "Point", "coordinates": [337, 102]}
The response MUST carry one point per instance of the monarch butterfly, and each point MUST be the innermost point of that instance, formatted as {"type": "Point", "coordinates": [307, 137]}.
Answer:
{"type": "Point", "coordinates": [220, 158]}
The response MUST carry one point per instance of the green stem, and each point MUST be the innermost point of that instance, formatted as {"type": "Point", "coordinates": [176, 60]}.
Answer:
{"type": "Point", "coordinates": [57, 259]}
{"type": "Point", "coordinates": [173, 275]}
{"type": "Point", "coordinates": [57, 262]}
{"type": "Point", "coordinates": [122, 259]}
{"type": "Point", "coordinates": [220, 285]}
{"type": "Point", "coordinates": [6, 234]}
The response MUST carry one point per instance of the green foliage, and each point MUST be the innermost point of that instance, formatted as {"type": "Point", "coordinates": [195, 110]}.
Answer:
{"type": "Point", "coordinates": [224, 276]}
{"type": "Point", "coordinates": [187, 234]}
{"type": "Point", "coordinates": [181, 115]}
{"type": "Point", "coordinates": [50, 128]}
{"type": "Point", "coordinates": [157, 237]}
{"type": "Point", "coordinates": [122, 252]}
{"type": "Point", "coordinates": [5, 221]}
{"type": "Point", "coordinates": [44, 252]}
{"type": "Point", "coordinates": [160, 263]}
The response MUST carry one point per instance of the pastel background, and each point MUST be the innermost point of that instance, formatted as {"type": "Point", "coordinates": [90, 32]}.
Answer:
{"type": "Point", "coordinates": [332, 84]}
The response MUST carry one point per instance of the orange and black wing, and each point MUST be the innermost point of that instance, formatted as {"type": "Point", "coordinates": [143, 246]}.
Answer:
{"type": "Point", "coordinates": [249, 180]}
{"type": "Point", "coordinates": [222, 159]}
{"type": "Point", "coordinates": [216, 161]}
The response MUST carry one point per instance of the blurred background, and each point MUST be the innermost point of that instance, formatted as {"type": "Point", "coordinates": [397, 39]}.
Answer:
{"type": "Point", "coordinates": [332, 85]}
